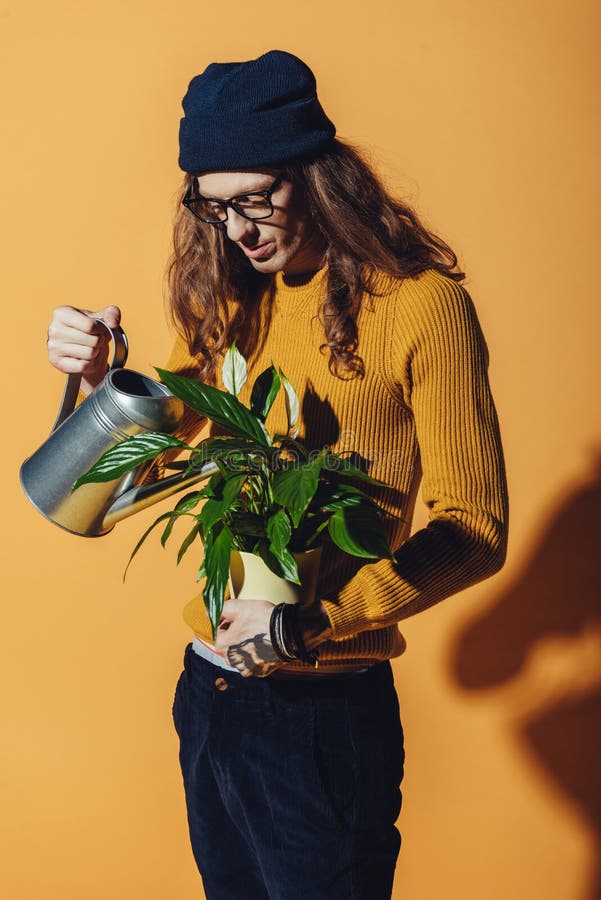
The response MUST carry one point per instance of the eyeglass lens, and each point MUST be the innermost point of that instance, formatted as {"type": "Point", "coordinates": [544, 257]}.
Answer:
{"type": "Point", "coordinates": [253, 206]}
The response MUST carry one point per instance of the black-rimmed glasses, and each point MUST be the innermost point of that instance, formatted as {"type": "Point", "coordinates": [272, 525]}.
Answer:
{"type": "Point", "coordinates": [252, 205]}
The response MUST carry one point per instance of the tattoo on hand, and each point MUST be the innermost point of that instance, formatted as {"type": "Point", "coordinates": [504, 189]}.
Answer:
{"type": "Point", "coordinates": [253, 656]}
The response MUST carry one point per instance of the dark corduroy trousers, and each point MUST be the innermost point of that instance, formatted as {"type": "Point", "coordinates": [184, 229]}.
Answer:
{"type": "Point", "coordinates": [292, 787]}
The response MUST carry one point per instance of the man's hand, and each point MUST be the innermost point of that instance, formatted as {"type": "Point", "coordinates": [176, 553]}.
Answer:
{"type": "Point", "coordinates": [243, 637]}
{"type": "Point", "coordinates": [78, 343]}
{"type": "Point", "coordinates": [243, 634]}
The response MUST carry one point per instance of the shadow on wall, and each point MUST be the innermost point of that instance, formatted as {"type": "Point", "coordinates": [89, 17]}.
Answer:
{"type": "Point", "coordinates": [539, 646]}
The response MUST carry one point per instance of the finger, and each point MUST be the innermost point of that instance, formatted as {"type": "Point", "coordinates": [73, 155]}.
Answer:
{"type": "Point", "coordinates": [63, 335]}
{"type": "Point", "coordinates": [81, 320]}
{"type": "Point", "coordinates": [111, 315]}
{"type": "Point", "coordinates": [72, 351]}
{"type": "Point", "coordinates": [71, 365]}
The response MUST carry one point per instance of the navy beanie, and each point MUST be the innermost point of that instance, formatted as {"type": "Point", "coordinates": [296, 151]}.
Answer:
{"type": "Point", "coordinates": [258, 113]}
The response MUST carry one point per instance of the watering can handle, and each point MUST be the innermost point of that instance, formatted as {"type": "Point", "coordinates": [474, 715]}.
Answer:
{"type": "Point", "coordinates": [69, 398]}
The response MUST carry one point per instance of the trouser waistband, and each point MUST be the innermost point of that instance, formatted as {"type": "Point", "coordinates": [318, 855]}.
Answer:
{"type": "Point", "coordinates": [203, 650]}
{"type": "Point", "coordinates": [332, 671]}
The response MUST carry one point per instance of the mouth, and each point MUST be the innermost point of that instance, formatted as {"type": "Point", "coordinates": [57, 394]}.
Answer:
{"type": "Point", "coordinates": [258, 252]}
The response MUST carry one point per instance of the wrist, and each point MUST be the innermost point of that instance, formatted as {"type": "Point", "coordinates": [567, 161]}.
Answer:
{"type": "Point", "coordinates": [92, 380]}
{"type": "Point", "coordinates": [315, 625]}
{"type": "Point", "coordinates": [295, 632]}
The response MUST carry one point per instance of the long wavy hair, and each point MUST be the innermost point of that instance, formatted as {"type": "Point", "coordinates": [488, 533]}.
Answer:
{"type": "Point", "coordinates": [215, 295]}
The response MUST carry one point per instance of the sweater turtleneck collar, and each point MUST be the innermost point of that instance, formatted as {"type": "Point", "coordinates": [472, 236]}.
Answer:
{"type": "Point", "coordinates": [294, 294]}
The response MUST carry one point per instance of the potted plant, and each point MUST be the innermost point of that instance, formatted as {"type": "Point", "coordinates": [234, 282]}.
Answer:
{"type": "Point", "coordinates": [268, 496]}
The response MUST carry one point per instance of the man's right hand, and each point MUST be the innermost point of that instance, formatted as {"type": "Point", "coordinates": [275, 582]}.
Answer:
{"type": "Point", "coordinates": [78, 343]}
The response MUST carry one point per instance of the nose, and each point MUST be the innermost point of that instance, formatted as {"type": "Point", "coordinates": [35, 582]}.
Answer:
{"type": "Point", "coordinates": [238, 227]}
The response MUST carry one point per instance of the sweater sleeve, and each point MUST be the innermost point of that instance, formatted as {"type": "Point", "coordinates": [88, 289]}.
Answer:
{"type": "Point", "coordinates": [463, 482]}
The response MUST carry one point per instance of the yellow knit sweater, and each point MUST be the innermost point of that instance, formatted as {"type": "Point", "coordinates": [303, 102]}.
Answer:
{"type": "Point", "coordinates": [423, 412]}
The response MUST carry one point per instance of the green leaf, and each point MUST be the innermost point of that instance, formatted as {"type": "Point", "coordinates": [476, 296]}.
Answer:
{"type": "Point", "coordinates": [182, 506]}
{"type": "Point", "coordinates": [294, 487]}
{"type": "Point", "coordinates": [337, 464]}
{"type": "Point", "coordinates": [217, 564]}
{"type": "Point", "coordinates": [247, 523]}
{"type": "Point", "coordinates": [168, 529]}
{"type": "Point", "coordinates": [359, 531]}
{"type": "Point", "coordinates": [234, 454]}
{"type": "Point", "coordinates": [265, 390]}
{"type": "Point", "coordinates": [311, 534]}
{"type": "Point", "coordinates": [150, 528]}
{"type": "Point", "coordinates": [290, 447]}
{"type": "Point", "coordinates": [282, 564]}
{"type": "Point", "coordinates": [218, 406]}
{"type": "Point", "coordinates": [189, 501]}
{"type": "Point", "coordinates": [232, 488]}
{"type": "Point", "coordinates": [215, 508]}
{"type": "Point", "coordinates": [210, 514]}
{"type": "Point", "coordinates": [224, 446]}
{"type": "Point", "coordinates": [292, 404]}
{"type": "Point", "coordinates": [128, 454]}
{"type": "Point", "coordinates": [279, 530]}
{"type": "Point", "coordinates": [187, 541]}
{"type": "Point", "coordinates": [213, 487]}
{"type": "Point", "coordinates": [233, 371]}
{"type": "Point", "coordinates": [331, 497]}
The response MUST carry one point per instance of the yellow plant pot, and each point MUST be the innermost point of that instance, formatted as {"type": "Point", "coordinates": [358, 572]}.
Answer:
{"type": "Point", "coordinates": [252, 579]}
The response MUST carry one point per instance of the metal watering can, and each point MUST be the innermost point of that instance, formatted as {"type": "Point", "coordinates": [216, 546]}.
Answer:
{"type": "Point", "coordinates": [123, 404]}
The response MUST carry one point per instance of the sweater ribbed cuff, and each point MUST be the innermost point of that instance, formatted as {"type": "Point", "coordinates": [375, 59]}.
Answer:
{"type": "Point", "coordinates": [349, 614]}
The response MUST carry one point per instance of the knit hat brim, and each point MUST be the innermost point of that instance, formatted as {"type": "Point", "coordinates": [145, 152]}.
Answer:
{"type": "Point", "coordinates": [261, 113]}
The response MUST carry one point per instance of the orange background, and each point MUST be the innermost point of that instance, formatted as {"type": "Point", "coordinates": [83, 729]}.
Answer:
{"type": "Point", "coordinates": [485, 119]}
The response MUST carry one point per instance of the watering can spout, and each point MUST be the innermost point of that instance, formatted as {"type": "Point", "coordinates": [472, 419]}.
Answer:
{"type": "Point", "coordinates": [144, 495]}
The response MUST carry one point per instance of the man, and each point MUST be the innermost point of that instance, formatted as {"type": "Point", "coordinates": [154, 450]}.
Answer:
{"type": "Point", "coordinates": [287, 242]}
